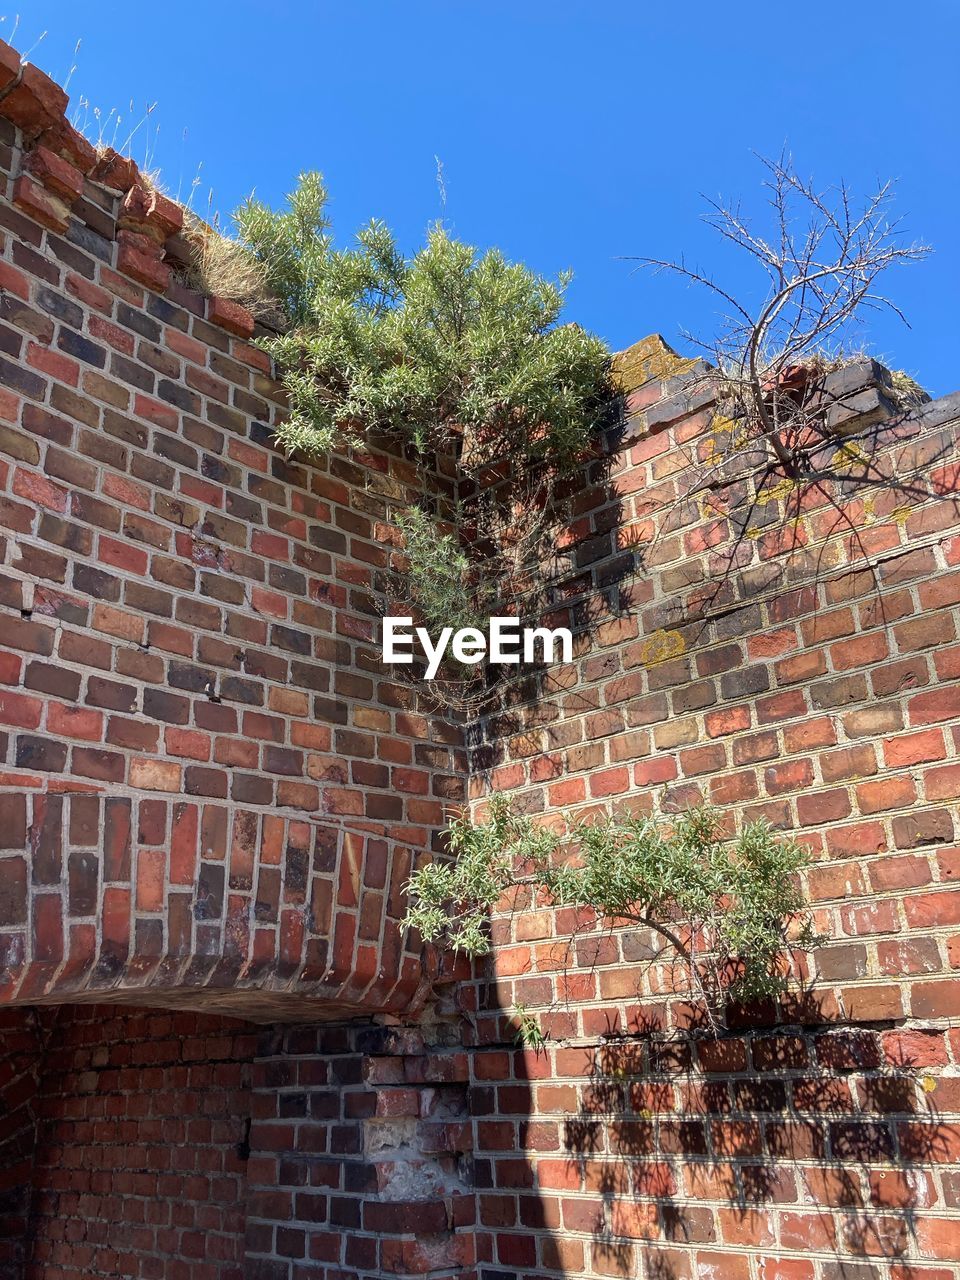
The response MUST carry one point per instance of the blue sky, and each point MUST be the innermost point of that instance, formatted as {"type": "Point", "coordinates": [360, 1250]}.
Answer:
{"type": "Point", "coordinates": [570, 134]}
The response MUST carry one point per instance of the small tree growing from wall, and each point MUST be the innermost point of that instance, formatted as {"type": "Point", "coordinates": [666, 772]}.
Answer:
{"type": "Point", "coordinates": [454, 352]}
{"type": "Point", "coordinates": [793, 428]}
{"type": "Point", "coordinates": [445, 345]}
{"type": "Point", "coordinates": [729, 910]}
{"type": "Point", "coordinates": [821, 258]}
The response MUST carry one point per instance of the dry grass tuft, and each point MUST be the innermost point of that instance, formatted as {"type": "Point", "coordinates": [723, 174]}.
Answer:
{"type": "Point", "coordinates": [907, 391]}
{"type": "Point", "coordinates": [227, 269]}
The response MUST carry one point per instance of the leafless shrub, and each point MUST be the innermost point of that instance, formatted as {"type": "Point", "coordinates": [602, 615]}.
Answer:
{"type": "Point", "coordinates": [801, 418]}
{"type": "Point", "coordinates": [822, 262]}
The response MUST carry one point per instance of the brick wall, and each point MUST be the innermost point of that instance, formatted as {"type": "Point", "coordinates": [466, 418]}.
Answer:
{"type": "Point", "coordinates": [142, 1146]}
{"type": "Point", "coordinates": [20, 1059]}
{"type": "Point", "coordinates": [819, 1138]}
{"type": "Point", "coordinates": [209, 785]}
{"type": "Point", "coordinates": [362, 1155]}
{"type": "Point", "coordinates": [211, 792]}
{"type": "Point", "coordinates": [177, 1145]}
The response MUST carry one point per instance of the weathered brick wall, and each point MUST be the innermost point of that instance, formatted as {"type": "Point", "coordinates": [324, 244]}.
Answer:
{"type": "Point", "coordinates": [210, 785]}
{"type": "Point", "coordinates": [184, 1146]}
{"type": "Point", "coordinates": [211, 790]}
{"type": "Point", "coordinates": [142, 1145]}
{"type": "Point", "coordinates": [21, 1051]}
{"type": "Point", "coordinates": [211, 793]}
{"type": "Point", "coordinates": [818, 1139]}
{"type": "Point", "coordinates": [361, 1158]}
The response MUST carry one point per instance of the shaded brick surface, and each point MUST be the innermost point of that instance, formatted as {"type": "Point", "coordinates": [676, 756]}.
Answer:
{"type": "Point", "coordinates": [141, 1155]}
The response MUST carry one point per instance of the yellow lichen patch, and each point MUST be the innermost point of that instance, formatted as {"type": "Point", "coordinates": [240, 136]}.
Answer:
{"type": "Point", "coordinates": [651, 357]}
{"type": "Point", "coordinates": [662, 646]}
{"type": "Point", "coordinates": [753, 532]}
{"type": "Point", "coordinates": [710, 450]}
{"type": "Point", "coordinates": [731, 432]}
{"type": "Point", "coordinates": [900, 515]}
{"type": "Point", "coordinates": [849, 455]}
{"type": "Point", "coordinates": [721, 442]}
{"type": "Point", "coordinates": [774, 492]}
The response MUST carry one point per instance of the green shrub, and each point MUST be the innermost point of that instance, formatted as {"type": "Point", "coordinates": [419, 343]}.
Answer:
{"type": "Point", "coordinates": [728, 909]}
{"type": "Point", "coordinates": [449, 341]}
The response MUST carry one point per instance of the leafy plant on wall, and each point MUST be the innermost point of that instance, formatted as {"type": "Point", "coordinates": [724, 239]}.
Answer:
{"type": "Point", "coordinates": [728, 910]}
{"type": "Point", "coordinates": [457, 353]}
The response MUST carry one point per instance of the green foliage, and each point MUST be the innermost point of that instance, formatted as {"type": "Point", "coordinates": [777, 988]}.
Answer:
{"type": "Point", "coordinates": [447, 341]}
{"type": "Point", "coordinates": [728, 908]}
{"type": "Point", "coordinates": [451, 900]}
{"type": "Point", "coordinates": [437, 575]}
{"type": "Point", "coordinates": [529, 1034]}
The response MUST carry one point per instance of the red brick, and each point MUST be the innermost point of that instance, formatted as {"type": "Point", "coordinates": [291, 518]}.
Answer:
{"type": "Point", "coordinates": [942, 784]}
{"type": "Point", "coordinates": [936, 999]}
{"type": "Point", "coordinates": [38, 489]}
{"type": "Point", "coordinates": [230, 316]}
{"type": "Point", "coordinates": [52, 362]}
{"type": "Point", "coordinates": [55, 173]}
{"type": "Point", "coordinates": [914, 748]}
{"type": "Point", "coordinates": [650, 773]}
{"type": "Point", "coordinates": [163, 415]}
{"type": "Point", "coordinates": [781, 706]}
{"type": "Point", "coordinates": [36, 103]}
{"type": "Point", "coordinates": [939, 704]}
{"type": "Point", "coordinates": [19, 710]}
{"type": "Point", "coordinates": [14, 281]}
{"type": "Point", "coordinates": [732, 720]}
{"type": "Point", "coordinates": [861, 651]}
{"type": "Point", "coordinates": [74, 722]}
{"type": "Point", "coordinates": [885, 795]}
{"type": "Point", "coordinates": [818, 807]}
{"type": "Point", "coordinates": [791, 775]}
{"type": "Point", "coordinates": [137, 260]}
{"type": "Point", "coordinates": [47, 209]}
{"type": "Point", "coordinates": [914, 1048]}
{"type": "Point", "coordinates": [609, 782]}
{"type": "Point", "coordinates": [187, 743]}
{"type": "Point", "coordinates": [149, 209]}
{"type": "Point", "coordinates": [933, 910]}
{"type": "Point", "coordinates": [112, 334]}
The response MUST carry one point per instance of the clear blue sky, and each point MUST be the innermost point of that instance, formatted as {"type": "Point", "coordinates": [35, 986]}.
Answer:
{"type": "Point", "coordinates": [570, 133]}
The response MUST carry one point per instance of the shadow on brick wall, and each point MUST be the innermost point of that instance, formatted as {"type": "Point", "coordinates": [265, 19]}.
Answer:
{"type": "Point", "coordinates": [782, 1138]}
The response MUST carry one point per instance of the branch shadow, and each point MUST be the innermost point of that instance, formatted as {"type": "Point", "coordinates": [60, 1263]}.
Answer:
{"type": "Point", "coordinates": [798, 1118]}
